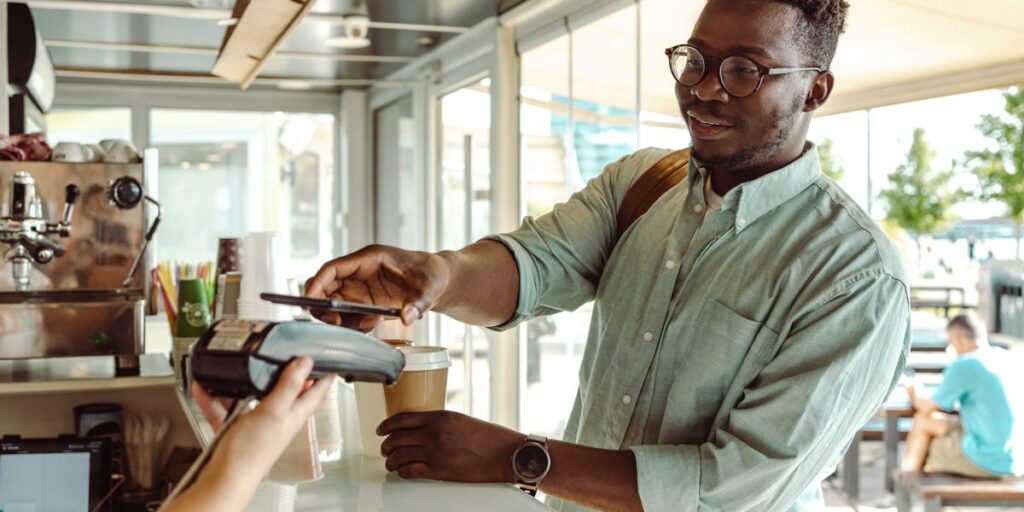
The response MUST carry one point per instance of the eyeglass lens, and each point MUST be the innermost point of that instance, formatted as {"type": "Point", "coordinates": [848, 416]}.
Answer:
{"type": "Point", "coordinates": [740, 76]}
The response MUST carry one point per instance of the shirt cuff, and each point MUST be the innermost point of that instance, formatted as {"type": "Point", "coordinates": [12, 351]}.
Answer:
{"type": "Point", "coordinates": [527, 289]}
{"type": "Point", "coordinates": [668, 476]}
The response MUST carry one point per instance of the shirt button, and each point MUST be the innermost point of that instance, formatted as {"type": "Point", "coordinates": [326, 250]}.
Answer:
{"type": "Point", "coordinates": [741, 222]}
{"type": "Point", "coordinates": [648, 336]}
{"type": "Point", "coordinates": [670, 264]}
{"type": "Point", "coordinates": [698, 208]}
{"type": "Point", "coordinates": [626, 399]}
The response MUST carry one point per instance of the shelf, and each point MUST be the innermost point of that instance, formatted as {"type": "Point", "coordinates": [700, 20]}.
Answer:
{"type": "Point", "coordinates": [80, 375]}
{"type": "Point", "coordinates": [84, 386]}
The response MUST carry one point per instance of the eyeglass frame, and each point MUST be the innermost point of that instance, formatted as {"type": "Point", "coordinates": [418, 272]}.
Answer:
{"type": "Point", "coordinates": [762, 71]}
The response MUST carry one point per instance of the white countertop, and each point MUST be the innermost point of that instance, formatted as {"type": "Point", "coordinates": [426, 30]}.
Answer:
{"type": "Point", "coordinates": [358, 483]}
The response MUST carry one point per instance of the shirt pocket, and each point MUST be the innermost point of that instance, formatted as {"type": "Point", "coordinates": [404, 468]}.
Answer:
{"type": "Point", "coordinates": [731, 349]}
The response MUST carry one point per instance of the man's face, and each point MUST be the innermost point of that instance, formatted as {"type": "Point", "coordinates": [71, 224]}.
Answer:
{"type": "Point", "coordinates": [736, 133]}
{"type": "Point", "coordinates": [958, 340]}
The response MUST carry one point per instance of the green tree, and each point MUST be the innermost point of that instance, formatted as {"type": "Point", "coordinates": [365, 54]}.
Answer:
{"type": "Point", "coordinates": [1000, 168]}
{"type": "Point", "coordinates": [830, 165]}
{"type": "Point", "coordinates": [919, 197]}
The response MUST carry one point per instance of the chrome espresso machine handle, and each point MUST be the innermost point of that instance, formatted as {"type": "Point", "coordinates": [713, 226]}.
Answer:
{"type": "Point", "coordinates": [28, 233]}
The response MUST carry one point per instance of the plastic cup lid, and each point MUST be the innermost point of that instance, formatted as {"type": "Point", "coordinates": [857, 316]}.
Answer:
{"type": "Point", "coordinates": [420, 359]}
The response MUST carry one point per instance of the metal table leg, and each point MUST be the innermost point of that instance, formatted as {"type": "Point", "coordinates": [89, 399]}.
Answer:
{"type": "Point", "coordinates": [903, 499]}
{"type": "Point", "coordinates": [851, 470]}
{"type": "Point", "coordinates": [892, 442]}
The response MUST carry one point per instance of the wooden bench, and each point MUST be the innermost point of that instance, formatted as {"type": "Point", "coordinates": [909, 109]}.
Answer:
{"type": "Point", "coordinates": [938, 297]}
{"type": "Point", "coordinates": [941, 490]}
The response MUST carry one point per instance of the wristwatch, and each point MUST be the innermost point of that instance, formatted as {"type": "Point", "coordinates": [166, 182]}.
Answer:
{"type": "Point", "coordinates": [531, 462]}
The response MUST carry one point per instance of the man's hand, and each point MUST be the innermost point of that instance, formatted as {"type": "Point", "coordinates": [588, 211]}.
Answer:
{"type": "Point", "coordinates": [448, 446]}
{"type": "Point", "coordinates": [384, 276]}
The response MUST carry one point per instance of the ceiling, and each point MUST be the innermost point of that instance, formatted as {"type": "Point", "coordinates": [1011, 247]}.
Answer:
{"type": "Point", "coordinates": [79, 37]}
{"type": "Point", "coordinates": [893, 51]}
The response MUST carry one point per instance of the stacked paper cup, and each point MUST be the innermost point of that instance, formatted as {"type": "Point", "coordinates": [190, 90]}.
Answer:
{"type": "Point", "coordinates": [263, 271]}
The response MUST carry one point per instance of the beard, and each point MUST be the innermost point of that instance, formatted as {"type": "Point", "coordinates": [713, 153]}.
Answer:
{"type": "Point", "coordinates": [785, 121]}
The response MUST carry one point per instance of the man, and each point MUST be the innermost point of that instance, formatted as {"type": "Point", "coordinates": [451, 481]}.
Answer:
{"type": "Point", "coordinates": [986, 440]}
{"type": "Point", "coordinates": [744, 328]}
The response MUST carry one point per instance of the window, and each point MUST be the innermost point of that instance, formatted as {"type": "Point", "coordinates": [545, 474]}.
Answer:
{"type": "Point", "coordinates": [464, 215]}
{"type": "Point", "coordinates": [88, 125]}
{"type": "Point", "coordinates": [400, 186]}
{"type": "Point", "coordinates": [847, 134]}
{"type": "Point", "coordinates": [664, 23]}
{"type": "Point", "coordinates": [550, 174]}
{"type": "Point", "coordinates": [604, 90]}
{"type": "Point", "coordinates": [224, 174]}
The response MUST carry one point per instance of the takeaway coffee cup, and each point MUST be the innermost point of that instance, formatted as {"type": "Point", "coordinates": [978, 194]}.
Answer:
{"type": "Point", "coordinates": [371, 408]}
{"type": "Point", "coordinates": [423, 382]}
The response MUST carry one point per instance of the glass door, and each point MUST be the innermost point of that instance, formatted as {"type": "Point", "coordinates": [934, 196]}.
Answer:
{"type": "Point", "coordinates": [464, 216]}
{"type": "Point", "coordinates": [400, 186]}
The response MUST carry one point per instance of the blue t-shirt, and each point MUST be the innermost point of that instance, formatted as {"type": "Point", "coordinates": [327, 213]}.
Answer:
{"type": "Point", "coordinates": [986, 385]}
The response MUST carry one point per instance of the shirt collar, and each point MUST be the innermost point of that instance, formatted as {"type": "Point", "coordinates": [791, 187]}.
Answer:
{"type": "Point", "coordinates": [753, 199]}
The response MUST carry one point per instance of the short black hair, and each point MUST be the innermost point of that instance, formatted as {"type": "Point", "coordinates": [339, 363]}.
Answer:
{"type": "Point", "coordinates": [818, 34]}
{"type": "Point", "coordinates": [972, 326]}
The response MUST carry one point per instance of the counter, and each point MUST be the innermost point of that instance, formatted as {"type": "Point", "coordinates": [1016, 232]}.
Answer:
{"type": "Point", "coordinates": [359, 483]}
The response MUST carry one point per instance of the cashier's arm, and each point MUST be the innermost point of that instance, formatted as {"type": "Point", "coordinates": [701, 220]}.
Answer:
{"type": "Point", "coordinates": [228, 482]}
{"type": "Point", "coordinates": [478, 285]}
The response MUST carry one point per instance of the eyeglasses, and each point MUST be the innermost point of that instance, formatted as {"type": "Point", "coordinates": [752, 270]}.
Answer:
{"type": "Point", "coordinates": [739, 75]}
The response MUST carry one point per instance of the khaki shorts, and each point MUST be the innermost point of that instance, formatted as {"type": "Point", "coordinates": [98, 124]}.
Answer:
{"type": "Point", "coordinates": [946, 455]}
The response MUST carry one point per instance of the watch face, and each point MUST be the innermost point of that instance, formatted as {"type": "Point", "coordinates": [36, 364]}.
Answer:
{"type": "Point", "coordinates": [532, 462]}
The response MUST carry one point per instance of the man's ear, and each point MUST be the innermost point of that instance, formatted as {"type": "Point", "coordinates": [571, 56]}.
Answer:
{"type": "Point", "coordinates": [820, 91]}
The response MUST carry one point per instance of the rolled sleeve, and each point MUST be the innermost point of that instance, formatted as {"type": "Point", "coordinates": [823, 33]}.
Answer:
{"type": "Point", "coordinates": [668, 475]}
{"type": "Point", "coordinates": [528, 289]}
{"type": "Point", "coordinates": [834, 368]}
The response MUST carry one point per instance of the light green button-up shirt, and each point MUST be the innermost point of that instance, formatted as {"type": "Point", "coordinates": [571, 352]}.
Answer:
{"type": "Point", "coordinates": [735, 352]}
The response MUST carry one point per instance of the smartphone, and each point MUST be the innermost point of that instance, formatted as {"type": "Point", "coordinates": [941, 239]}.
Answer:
{"type": "Point", "coordinates": [331, 305]}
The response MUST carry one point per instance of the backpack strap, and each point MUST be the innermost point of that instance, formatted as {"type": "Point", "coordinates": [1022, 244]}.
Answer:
{"type": "Point", "coordinates": [653, 183]}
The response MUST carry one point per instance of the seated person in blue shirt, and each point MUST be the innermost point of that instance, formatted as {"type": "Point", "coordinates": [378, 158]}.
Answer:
{"type": "Point", "coordinates": [983, 383]}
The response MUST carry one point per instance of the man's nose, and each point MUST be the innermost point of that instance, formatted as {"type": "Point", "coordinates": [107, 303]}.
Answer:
{"type": "Point", "coordinates": [710, 89]}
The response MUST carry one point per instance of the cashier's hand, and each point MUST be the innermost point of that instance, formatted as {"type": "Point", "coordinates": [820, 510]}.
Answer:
{"type": "Point", "coordinates": [385, 276]}
{"type": "Point", "coordinates": [448, 446]}
{"type": "Point", "coordinates": [277, 418]}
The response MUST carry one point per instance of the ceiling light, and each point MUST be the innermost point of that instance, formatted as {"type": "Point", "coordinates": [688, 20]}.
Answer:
{"type": "Point", "coordinates": [227, 22]}
{"type": "Point", "coordinates": [347, 43]}
{"type": "Point", "coordinates": [204, 166]}
{"type": "Point", "coordinates": [355, 22]}
{"type": "Point", "coordinates": [295, 85]}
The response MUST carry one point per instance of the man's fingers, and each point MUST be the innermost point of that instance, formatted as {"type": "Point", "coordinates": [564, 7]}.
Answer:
{"type": "Point", "coordinates": [361, 323]}
{"type": "Point", "coordinates": [414, 471]}
{"type": "Point", "coordinates": [405, 421]}
{"type": "Point", "coordinates": [213, 410]}
{"type": "Point", "coordinates": [289, 385]}
{"type": "Point", "coordinates": [323, 283]}
{"type": "Point", "coordinates": [405, 456]}
{"type": "Point", "coordinates": [400, 439]}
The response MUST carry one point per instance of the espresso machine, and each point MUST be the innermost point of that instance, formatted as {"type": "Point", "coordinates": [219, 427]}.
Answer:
{"type": "Point", "coordinates": [74, 239]}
